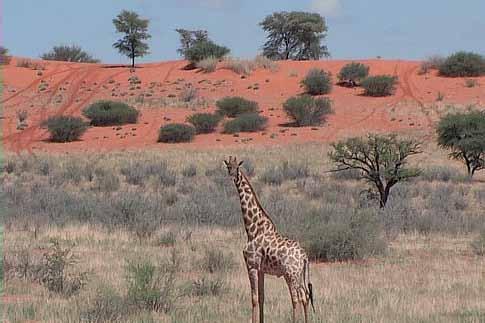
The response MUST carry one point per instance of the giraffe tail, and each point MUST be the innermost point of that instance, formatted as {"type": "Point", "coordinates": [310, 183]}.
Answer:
{"type": "Point", "coordinates": [306, 278]}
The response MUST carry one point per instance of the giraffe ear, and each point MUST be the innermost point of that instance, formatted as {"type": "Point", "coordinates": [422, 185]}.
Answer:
{"type": "Point", "coordinates": [240, 163]}
{"type": "Point", "coordinates": [225, 163]}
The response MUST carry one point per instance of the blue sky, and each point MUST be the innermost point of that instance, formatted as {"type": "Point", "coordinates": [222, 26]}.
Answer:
{"type": "Point", "coordinates": [410, 29]}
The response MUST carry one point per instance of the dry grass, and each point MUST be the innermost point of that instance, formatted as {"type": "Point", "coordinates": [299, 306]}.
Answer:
{"type": "Point", "coordinates": [429, 273]}
{"type": "Point", "coordinates": [246, 67]}
{"type": "Point", "coordinates": [423, 278]}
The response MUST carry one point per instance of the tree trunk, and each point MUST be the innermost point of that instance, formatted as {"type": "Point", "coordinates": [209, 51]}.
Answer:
{"type": "Point", "coordinates": [132, 56]}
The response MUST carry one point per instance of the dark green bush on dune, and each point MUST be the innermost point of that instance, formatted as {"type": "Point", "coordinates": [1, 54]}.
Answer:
{"type": "Point", "coordinates": [463, 64]}
{"type": "Point", "coordinates": [317, 82]}
{"type": "Point", "coordinates": [65, 128]}
{"type": "Point", "coordinates": [176, 132]}
{"type": "Point", "coordinates": [110, 113]}
{"type": "Point", "coordinates": [248, 122]}
{"type": "Point", "coordinates": [233, 106]}
{"type": "Point", "coordinates": [353, 73]}
{"type": "Point", "coordinates": [307, 111]}
{"type": "Point", "coordinates": [204, 122]}
{"type": "Point", "coordinates": [380, 85]}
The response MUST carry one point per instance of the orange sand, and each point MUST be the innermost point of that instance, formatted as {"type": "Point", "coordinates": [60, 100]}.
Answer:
{"type": "Point", "coordinates": [71, 87]}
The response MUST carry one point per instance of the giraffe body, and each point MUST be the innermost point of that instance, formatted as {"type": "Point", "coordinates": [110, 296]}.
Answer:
{"type": "Point", "coordinates": [268, 252]}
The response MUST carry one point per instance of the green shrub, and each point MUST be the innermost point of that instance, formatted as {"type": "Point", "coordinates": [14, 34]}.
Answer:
{"type": "Point", "coordinates": [54, 273]}
{"type": "Point", "coordinates": [353, 73]}
{"type": "Point", "coordinates": [235, 106]}
{"type": "Point", "coordinates": [204, 122]}
{"type": "Point", "coordinates": [348, 236]}
{"type": "Point", "coordinates": [478, 245]}
{"type": "Point", "coordinates": [463, 64]}
{"type": "Point", "coordinates": [380, 85]}
{"type": "Point", "coordinates": [152, 288]}
{"type": "Point", "coordinates": [248, 122]}
{"type": "Point", "coordinates": [317, 82]}
{"type": "Point", "coordinates": [65, 128]}
{"type": "Point", "coordinates": [205, 49]}
{"type": "Point", "coordinates": [307, 111]}
{"type": "Point", "coordinates": [176, 132]}
{"type": "Point", "coordinates": [71, 53]}
{"type": "Point", "coordinates": [110, 113]}
{"type": "Point", "coordinates": [4, 57]}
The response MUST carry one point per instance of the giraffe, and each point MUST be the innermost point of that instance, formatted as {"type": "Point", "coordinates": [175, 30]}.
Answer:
{"type": "Point", "coordinates": [268, 252]}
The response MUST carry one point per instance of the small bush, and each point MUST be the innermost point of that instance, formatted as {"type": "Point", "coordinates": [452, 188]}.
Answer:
{"type": "Point", "coordinates": [4, 57]}
{"type": "Point", "coordinates": [463, 64]}
{"type": "Point", "coordinates": [348, 236]}
{"type": "Point", "coordinates": [205, 49]}
{"type": "Point", "coordinates": [65, 128]}
{"type": "Point", "coordinates": [276, 175]}
{"type": "Point", "coordinates": [235, 106]}
{"type": "Point", "coordinates": [167, 239]}
{"type": "Point", "coordinates": [176, 132]}
{"type": "Point", "coordinates": [442, 174]}
{"type": "Point", "coordinates": [110, 113]}
{"type": "Point", "coordinates": [25, 63]}
{"type": "Point", "coordinates": [431, 63]}
{"type": "Point", "coordinates": [478, 245]}
{"type": "Point", "coordinates": [264, 62]}
{"type": "Point", "coordinates": [317, 82]}
{"type": "Point", "coordinates": [189, 171]}
{"type": "Point", "coordinates": [188, 94]}
{"type": "Point", "coordinates": [239, 66]}
{"type": "Point", "coordinates": [107, 306]}
{"type": "Point", "coordinates": [138, 173]}
{"type": "Point", "coordinates": [248, 122]}
{"type": "Point", "coordinates": [353, 73]}
{"type": "Point", "coordinates": [71, 53]}
{"type": "Point", "coordinates": [204, 122]}
{"type": "Point", "coordinates": [54, 272]}
{"type": "Point", "coordinates": [215, 261]}
{"type": "Point", "coordinates": [307, 111]}
{"type": "Point", "coordinates": [208, 65]}
{"type": "Point", "coordinates": [207, 287]}
{"type": "Point", "coordinates": [471, 83]}
{"type": "Point", "coordinates": [380, 85]}
{"type": "Point", "coordinates": [152, 288]}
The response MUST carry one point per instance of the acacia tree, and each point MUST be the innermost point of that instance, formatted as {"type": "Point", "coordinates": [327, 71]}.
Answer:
{"type": "Point", "coordinates": [136, 32]}
{"type": "Point", "coordinates": [464, 135]}
{"type": "Point", "coordinates": [381, 160]}
{"type": "Point", "coordinates": [294, 35]}
{"type": "Point", "coordinates": [195, 46]}
{"type": "Point", "coordinates": [190, 37]}
{"type": "Point", "coordinates": [72, 53]}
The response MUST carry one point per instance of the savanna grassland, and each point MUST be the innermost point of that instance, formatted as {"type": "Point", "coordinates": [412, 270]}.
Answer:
{"type": "Point", "coordinates": [157, 237]}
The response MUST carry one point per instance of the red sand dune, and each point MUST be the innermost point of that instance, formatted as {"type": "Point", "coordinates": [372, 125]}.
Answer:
{"type": "Point", "coordinates": [73, 86]}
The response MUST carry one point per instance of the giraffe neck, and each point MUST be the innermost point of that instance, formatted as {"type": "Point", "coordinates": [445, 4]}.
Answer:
{"type": "Point", "coordinates": [256, 220]}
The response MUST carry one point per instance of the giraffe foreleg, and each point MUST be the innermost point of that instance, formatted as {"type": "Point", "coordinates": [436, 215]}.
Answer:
{"type": "Point", "coordinates": [253, 280]}
{"type": "Point", "coordinates": [261, 295]}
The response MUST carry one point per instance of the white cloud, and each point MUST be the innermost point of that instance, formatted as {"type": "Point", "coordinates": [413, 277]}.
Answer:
{"type": "Point", "coordinates": [326, 7]}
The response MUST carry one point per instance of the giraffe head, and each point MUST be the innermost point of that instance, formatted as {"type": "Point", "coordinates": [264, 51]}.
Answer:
{"type": "Point", "coordinates": [232, 166]}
